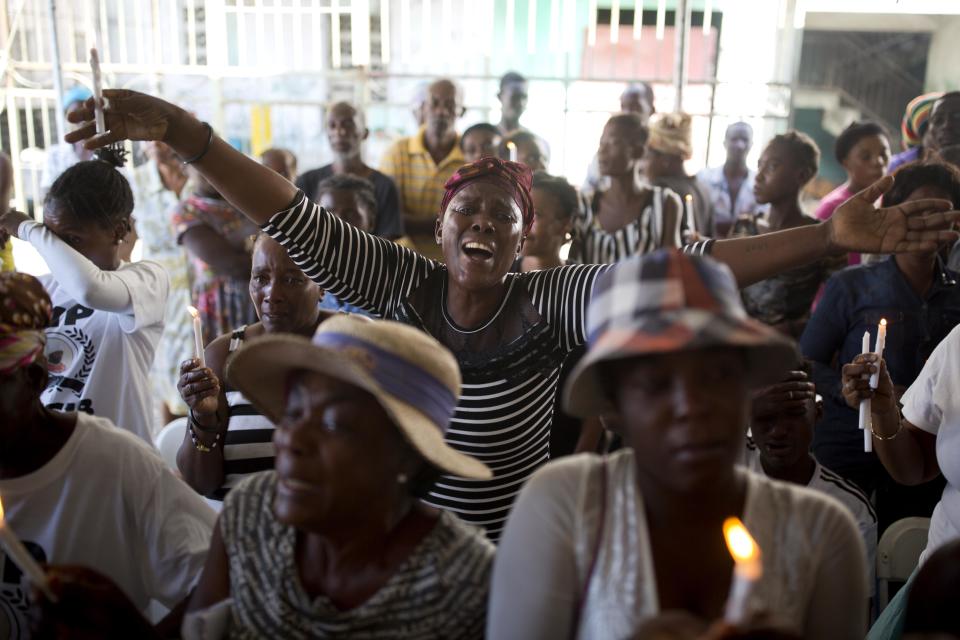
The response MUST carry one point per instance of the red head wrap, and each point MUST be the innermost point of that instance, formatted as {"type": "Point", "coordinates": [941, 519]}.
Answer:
{"type": "Point", "coordinates": [513, 177]}
{"type": "Point", "coordinates": [25, 311]}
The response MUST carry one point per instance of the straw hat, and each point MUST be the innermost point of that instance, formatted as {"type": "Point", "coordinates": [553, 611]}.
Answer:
{"type": "Point", "coordinates": [414, 378]}
{"type": "Point", "coordinates": [666, 302]}
{"type": "Point", "coordinates": [672, 134]}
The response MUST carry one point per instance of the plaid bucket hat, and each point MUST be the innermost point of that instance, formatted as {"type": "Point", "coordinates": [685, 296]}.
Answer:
{"type": "Point", "coordinates": [666, 302]}
{"type": "Point", "coordinates": [412, 376]}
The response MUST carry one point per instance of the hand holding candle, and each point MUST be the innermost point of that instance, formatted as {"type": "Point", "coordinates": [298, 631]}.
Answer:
{"type": "Point", "coordinates": [19, 555]}
{"type": "Point", "coordinates": [747, 570]}
{"type": "Point", "coordinates": [864, 418]}
{"type": "Point", "coordinates": [197, 334]}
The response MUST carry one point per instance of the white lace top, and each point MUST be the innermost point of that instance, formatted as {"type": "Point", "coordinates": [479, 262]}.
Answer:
{"type": "Point", "coordinates": [813, 580]}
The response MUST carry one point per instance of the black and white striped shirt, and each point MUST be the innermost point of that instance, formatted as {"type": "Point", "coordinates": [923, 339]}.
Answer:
{"type": "Point", "coordinates": [510, 367]}
{"type": "Point", "coordinates": [248, 444]}
{"type": "Point", "coordinates": [593, 245]}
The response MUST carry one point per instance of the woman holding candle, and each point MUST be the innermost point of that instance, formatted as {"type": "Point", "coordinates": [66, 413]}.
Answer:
{"type": "Point", "coordinates": [917, 443]}
{"type": "Point", "coordinates": [920, 302]}
{"type": "Point", "coordinates": [510, 332]}
{"type": "Point", "coordinates": [628, 217]}
{"type": "Point", "coordinates": [336, 543]}
{"type": "Point", "coordinates": [596, 546]}
{"type": "Point", "coordinates": [227, 438]}
{"type": "Point", "coordinates": [77, 490]}
{"type": "Point", "coordinates": [109, 313]}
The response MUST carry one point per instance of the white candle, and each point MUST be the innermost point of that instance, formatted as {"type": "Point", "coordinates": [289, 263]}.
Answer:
{"type": "Point", "coordinates": [197, 335]}
{"type": "Point", "coordinates": [97, 92]}
{"type": "Point", "coordinates": [19, 555]}
{"type": "Point", "coordinates": [513, 151]}
{"type": "Point", "coordinates": [874, 381]}
{"type": "Point", "coordinates": [865, 404]}
{"type": "Point", "coordinates": [746, 571]}
{"type": "Point", "coordinates": [881, 343]}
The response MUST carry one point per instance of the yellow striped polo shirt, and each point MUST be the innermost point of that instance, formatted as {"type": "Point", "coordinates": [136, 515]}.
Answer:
{"type": "Point", "coordinates": [420, 182]}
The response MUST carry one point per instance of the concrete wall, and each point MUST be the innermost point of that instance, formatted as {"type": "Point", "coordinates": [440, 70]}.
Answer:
{"type": "Point", "coordinates": [943, 62]}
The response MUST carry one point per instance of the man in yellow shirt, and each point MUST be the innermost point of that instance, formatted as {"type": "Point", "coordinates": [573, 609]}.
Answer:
{"type": "Point", "coordinates": [421, 164]}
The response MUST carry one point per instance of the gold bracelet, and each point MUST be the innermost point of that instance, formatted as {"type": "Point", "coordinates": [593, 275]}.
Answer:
{"type": "Point", "coordinates": [895, 433]}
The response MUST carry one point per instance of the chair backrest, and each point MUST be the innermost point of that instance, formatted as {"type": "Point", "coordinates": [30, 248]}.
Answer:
{"type": "Point", "coordinates": [899, 549]}
{"type": "Point", "coordinates": [169, 439]}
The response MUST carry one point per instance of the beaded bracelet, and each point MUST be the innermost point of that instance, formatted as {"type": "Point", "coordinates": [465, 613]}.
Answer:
{"type": "Point", "coordinates": [199, 446]}
{"type": "Point", "coordinates": [206, 147]}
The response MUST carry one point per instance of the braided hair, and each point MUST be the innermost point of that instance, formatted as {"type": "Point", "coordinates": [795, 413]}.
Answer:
{"type": "Point", "coordinates": [93, 191]}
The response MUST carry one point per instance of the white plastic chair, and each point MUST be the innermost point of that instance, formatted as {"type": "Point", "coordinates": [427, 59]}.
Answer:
{"type": "Point", "coordinates": [169, 439]}
{"type": "Point", "coordinates": [898, 554]}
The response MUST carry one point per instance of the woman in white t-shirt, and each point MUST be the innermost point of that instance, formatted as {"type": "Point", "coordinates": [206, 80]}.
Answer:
{"type": "Point", "coordinates": [79, 491]}
{"type": "Point", "coordinates": [919, 442]}
{"type": "Point", "coordinates": [108, 314]}
{"type": "Point", "coordinates": [604, 547]}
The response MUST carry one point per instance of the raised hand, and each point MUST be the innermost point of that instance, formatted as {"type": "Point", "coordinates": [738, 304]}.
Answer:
{"type": "Point", "coordinates": [792, 392]}
{"type": "Point", "coordinates": [10, 223]}
{"type": "Point", "coordinates": [131, 115]}
{"type": "Point", "coordinates": [920, 225]}
{"type": "Point", "coordinates": [199, 388]}
{"type": "Point", "coordinates": [856, 384]}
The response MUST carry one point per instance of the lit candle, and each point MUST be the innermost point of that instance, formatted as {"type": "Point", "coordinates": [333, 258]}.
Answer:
{"type": "Point", "coordinates": [97, 92]}
{"type": "Point", "coordinates": [197, 335]}
{"type": "Point", "coordinates": [513, 151]}
{"type": "Point", "coordinates": [881, 343]}
{"type": "Point", "coordinates": [746, 571]}
{"type": "Point", "coordinates": [19, 555]}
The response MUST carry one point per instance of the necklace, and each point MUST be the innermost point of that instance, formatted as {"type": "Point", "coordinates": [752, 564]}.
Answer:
{"type": "Point", "coordinates": [453, 325]}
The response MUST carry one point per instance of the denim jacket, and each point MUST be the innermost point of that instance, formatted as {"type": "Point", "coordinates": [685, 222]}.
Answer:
{"type": "Point", "coordinates": [854, 301]}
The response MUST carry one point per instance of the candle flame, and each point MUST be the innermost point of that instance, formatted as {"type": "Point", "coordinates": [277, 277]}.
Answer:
{"type": "Point", "coordinates": [192, 310]}
{"type": "Point", "coordinates": [883, 322]}
{"type": "Point", "coordinates": [741, 544]}
{"type": "Point", "coordinates": [1, 512]}
{"type": "Point", "coordinates": [511, 146]}
{"type": "Point", "coordinates": [688, 197]}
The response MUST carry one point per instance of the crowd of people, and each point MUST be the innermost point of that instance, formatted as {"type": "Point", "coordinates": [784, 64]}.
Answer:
{"type": "Point", "coordinates": [393, 356]}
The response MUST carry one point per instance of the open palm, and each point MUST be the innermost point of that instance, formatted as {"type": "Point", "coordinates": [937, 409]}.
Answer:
{"type": "Point", "coordinates": [920, 225]}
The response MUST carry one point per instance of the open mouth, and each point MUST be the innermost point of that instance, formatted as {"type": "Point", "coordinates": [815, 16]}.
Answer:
{"type": "Point", "coordinates": [700, 452]}
{"type": "Point", "coordinates": [479, 251]}
{"type": "Point", "coordinates": [291, 485]}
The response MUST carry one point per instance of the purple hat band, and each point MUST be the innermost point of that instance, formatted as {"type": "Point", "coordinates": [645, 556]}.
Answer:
{"type": "Point", "coordinates": [399, 377]}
